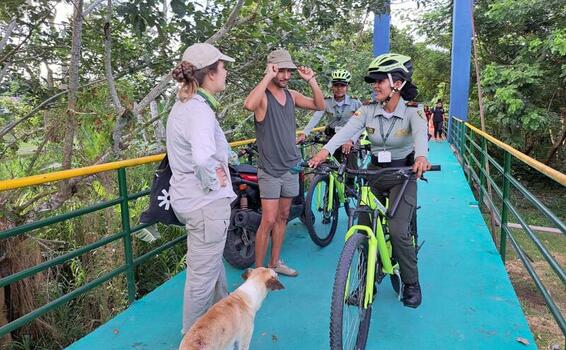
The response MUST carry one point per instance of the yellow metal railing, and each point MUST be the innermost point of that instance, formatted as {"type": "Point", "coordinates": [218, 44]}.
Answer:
{"type": "Point", "coordinates": [94, 169]}
{"type": "Point", "coordinates": [543, 168]}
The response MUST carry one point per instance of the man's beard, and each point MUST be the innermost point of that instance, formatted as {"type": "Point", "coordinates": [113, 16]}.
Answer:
{"type": "Point", "coordinates": [278, 83]}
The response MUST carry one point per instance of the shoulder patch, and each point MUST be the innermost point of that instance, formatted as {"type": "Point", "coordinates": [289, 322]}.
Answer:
{"type": "Point", "coordinates": [411, 104]}
{"type": "Point", "coordinates": [357, 114]}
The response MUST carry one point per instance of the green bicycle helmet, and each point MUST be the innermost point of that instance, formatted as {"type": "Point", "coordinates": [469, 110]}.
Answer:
{"type": "Point", "coordinates": [390, 65]}
{"type": "Point", "coordinates": [341, 76]}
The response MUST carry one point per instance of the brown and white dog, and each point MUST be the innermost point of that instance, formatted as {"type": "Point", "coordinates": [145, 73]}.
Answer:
{"type": "Point", "coordinates": [229, 324]}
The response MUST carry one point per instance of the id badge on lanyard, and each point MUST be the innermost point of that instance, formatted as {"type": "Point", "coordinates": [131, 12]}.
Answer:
{"type": "Point", "coordinates": [385, 156]}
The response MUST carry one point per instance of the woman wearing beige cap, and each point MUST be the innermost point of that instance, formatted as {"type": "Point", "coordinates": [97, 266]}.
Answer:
{"type": "Point", "coordinates": [201, 190]}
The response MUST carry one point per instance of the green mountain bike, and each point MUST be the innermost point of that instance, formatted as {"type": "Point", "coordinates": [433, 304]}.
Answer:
{"type": "Point", "coordinates": [327, 193]}
{"type": "Point", "coordinates": [365, 259]}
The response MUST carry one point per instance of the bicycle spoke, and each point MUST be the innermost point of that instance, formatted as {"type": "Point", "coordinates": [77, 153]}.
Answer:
{"type": "Point", "coordinates": [319, 207]}
{"type": "Point", "coordinates": [353, 306]}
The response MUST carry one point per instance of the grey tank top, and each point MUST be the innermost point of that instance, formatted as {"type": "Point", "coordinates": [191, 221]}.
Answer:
{"type": "Point", "coordinates": [276, 138]}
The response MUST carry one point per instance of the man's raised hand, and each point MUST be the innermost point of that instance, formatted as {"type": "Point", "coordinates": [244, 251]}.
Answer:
{"type": "Point", "coordinates": [305, 72]}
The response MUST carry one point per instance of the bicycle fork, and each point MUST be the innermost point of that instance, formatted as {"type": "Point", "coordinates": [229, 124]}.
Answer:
{"type": "Point", "coordinates": [376, 243]}
{"type": "Point", "coordinates": [332, 182]}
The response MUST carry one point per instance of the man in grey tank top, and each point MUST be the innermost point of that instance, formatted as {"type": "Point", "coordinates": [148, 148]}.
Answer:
{"type": "Point", "coordinates": [275, 123]}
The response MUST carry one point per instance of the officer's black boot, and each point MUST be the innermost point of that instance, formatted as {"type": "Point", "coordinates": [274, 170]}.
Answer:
{"type": "Point", "coordinates": [412, 295]}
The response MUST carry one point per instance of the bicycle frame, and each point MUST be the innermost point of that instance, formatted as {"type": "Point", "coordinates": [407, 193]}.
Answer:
{"type": "Point", "coordinates": [376, 241]}
{"type": "Point", "coordinates": [332, 182]}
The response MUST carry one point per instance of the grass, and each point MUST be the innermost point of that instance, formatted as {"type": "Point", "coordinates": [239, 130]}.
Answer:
{"type": "Point", "coordinates": [546, 331]}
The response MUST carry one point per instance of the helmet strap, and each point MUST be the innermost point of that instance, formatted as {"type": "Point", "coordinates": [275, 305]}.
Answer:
{"type": "Point", "coordinates": [393, 90]}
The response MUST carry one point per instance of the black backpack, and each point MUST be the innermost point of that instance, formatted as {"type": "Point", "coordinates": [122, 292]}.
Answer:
{"type": "Point", "coordinates": [160, 209]}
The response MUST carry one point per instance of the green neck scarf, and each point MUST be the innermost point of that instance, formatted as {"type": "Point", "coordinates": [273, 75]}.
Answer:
{"type": "Point", "coordinates": [209, 98]}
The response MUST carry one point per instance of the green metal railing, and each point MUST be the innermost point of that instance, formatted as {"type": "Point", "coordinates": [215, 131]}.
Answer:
{"type": "Point", "coordinates": [123, 201]}
{"type": "Point", "coordinates": [128, 267]}
{"type": "Point", "coordinates": [482, 171]}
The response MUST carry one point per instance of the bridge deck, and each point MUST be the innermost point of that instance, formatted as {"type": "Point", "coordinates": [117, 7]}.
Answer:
{"type": "Point", "coordinates": [468, 300]}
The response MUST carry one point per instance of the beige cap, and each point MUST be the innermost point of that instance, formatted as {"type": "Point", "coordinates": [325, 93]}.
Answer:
{"type": "Point", "coordinates": [281, 58]}
{"type": "Point", "coordinates": [203, 55]}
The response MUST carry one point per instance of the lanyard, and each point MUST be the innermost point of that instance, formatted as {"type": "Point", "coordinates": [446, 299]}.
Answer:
{"type": "Point", "coordinates": [385, 137]}
{"type": "Point", "coordinates": [210, 100]}
{"type": "Point", "coordinates": [341, 109]}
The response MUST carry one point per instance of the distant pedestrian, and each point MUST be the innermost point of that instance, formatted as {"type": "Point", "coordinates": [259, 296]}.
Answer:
{"type": "Point", "coordinates": [438, 120]}
{"type": "Point", "coordinates": [428, 115]}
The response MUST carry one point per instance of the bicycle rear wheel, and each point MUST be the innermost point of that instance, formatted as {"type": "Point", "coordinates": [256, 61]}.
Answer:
{"type": "Point", "coordinates": [320, 220]}
{"type": "Point", "coordinates": [349, 320]}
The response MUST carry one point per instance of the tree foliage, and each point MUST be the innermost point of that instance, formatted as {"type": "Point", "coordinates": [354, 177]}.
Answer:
{"type": "Point", "coordinates": [522, 60]}
{"type": "Point", "coordinates": [522, 55]}
{"type": "Point", "coordinates": [147, 38]}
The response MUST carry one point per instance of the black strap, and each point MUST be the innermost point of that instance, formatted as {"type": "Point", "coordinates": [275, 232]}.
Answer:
{"type": "Point", "coordinates": [385, 137]}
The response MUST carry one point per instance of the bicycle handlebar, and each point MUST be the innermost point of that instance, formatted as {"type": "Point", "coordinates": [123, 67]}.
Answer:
{"type": "Point", "coordinates": [327, 167]}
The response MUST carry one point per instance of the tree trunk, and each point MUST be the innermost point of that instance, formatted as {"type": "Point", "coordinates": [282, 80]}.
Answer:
{"type": "Point", "coordinates": [5, 340]}
{"type": "Point", "coordinates": [139, 120]}
{"type": "Point", "coordinates": [559, 143]}
{"type": "Point", "coordinates": [9, 29]}
{"type": "Point", "coordinates": [108, 62]}
{"type": "Point", "coordinates": [158, 125]}
{"type": "Point", "coordinates": [3, 71]}
{"type": "Point", "coordinates": [71, 121]}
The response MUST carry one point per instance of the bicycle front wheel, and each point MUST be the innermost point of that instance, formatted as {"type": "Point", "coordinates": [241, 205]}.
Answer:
{"type": "Point", "coordinates": [349, 320]}
{"type": "Point", "coordinates": [320, 217]}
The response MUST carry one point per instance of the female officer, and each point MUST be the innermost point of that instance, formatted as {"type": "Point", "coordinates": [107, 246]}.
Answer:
{"type": "Point", "coordinates": [397, 130]}
{"type": "Point", "coordinates": [200, 190]}
{"type": "Point", "coordinates": [338, 109]}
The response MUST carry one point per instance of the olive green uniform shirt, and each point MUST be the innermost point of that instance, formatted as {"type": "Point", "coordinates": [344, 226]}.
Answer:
{"type": "Point", "coordinates": [336, 115]}
{"type": "Point", "coordinates": [409, 132]}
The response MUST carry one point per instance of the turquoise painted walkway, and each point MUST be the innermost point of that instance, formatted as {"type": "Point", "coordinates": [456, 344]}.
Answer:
{"type": "Point", "coordinates": [468, 300]}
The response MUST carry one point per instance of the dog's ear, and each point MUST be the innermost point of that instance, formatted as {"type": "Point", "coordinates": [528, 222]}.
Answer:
{"type": "Point", "coordinates": [246, 273]}
{"type": "Point", "coordinates": [274, 284]}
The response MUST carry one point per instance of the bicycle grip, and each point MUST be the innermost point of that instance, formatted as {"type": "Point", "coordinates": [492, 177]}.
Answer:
{"type": "Point", "coordinates": [435, 168]}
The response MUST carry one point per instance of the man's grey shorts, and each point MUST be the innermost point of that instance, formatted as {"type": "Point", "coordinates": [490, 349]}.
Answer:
{"type": "Point", "coordinates": [271, 187]}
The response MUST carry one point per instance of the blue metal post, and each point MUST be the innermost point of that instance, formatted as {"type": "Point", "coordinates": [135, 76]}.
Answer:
{"type": "Point", "coordinates": [461, 51]}
{"type": "Point", "coordinates": [381, 32]}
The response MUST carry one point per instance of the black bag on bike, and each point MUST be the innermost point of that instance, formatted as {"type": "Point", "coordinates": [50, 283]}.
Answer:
{"type": "Point", "coordinates": [160, 209]}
